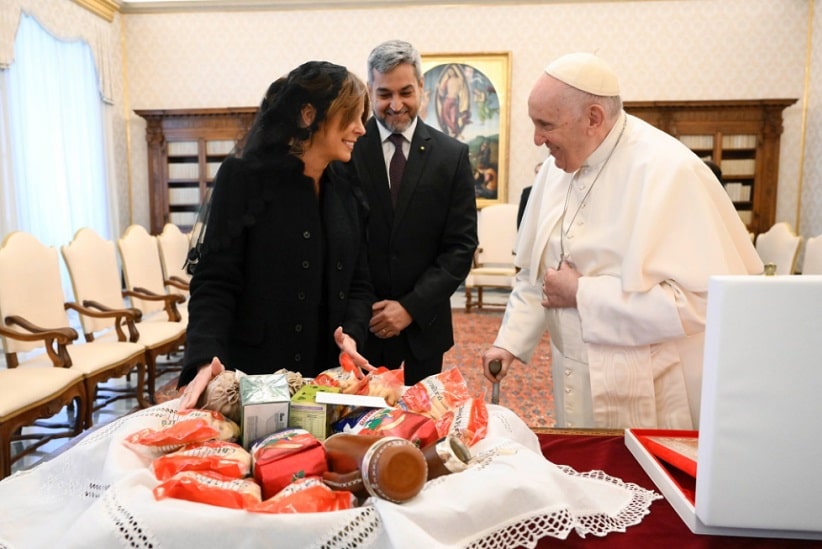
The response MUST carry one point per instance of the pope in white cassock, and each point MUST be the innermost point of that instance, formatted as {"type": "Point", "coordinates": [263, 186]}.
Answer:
{"type": "Point", "coordinates": [622, 230]}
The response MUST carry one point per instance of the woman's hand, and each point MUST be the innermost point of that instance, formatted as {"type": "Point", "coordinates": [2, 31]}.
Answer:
{"type": "Point", "coordinates": [191, 392]}
{"type": "Point", "coordinates": [348, 346]}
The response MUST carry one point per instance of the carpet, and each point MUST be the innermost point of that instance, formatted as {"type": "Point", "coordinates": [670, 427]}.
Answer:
{"type": "Point", "coordinates": [527, 389]}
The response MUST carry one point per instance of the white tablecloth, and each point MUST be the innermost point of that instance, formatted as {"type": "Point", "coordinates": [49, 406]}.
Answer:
{"type": "Point", "coordinates": [99, 494]}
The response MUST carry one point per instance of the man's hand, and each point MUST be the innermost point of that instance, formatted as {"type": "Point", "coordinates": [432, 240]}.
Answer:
{"type": "Point", "coordinates": [388, 319]}
{"type": "Point", "coordinates": [190, 394]}
{"type": "Point", "coordinates": [496, 353]}
{"type": "Point", "coordinates": [559, 287]}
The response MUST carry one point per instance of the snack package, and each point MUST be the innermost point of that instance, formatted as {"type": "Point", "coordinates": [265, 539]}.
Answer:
{"type": "Point", "coordinates": [280, 458]}
{"type": "Point", "coordinates": [306, 495]}
{"type": "Point", "coordinates": [189, 427]}
{"type": "Point", "coordinates": [348, 377]}
{"type": "Point", "coordinates": [210, 488]}
{"type": "Point", "coordinates": [227, 458]}
{"type": "Point", "coordinates": [389, 422]}
{"type": "Point", "coordinates": [388, 384]}
{"type": "Point", "coordinates": [468, 422]}
{"type": "Point", "coordinates": [435, 395]}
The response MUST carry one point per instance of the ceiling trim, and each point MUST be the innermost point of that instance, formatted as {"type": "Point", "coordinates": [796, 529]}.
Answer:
{"type": "Point", "coordinates": [103, 8]}
{"type": "Point", "coordinates": [160, 6]}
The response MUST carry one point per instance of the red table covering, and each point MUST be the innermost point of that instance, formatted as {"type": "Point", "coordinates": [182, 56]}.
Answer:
{"type": "Point", "coordinates": [663, 527]}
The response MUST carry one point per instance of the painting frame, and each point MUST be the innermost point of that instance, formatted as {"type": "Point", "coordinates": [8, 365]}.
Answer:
{"type": "Point", "coordinates": [467, 96]}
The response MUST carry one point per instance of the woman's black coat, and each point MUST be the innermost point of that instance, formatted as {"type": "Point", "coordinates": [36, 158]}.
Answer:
{"type": "Point", "coordinates": [280, 271]}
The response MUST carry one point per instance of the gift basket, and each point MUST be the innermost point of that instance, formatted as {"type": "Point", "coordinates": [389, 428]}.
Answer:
{"type": "Point", "coordinates": [377, 464]}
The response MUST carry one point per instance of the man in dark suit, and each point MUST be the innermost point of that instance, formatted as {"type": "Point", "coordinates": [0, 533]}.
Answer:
{"type": "Point", "coordinates": [421, 241]}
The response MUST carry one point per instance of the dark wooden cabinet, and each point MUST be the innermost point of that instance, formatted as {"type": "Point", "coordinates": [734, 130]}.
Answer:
{"type": "Point", "coordinates": [185, 148]}
{"type": "Point", "coordinates": [741, 136]}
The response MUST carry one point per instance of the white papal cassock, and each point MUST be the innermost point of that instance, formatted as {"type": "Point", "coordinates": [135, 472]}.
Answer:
{"type": "Point", "coordinates": [653, 228]}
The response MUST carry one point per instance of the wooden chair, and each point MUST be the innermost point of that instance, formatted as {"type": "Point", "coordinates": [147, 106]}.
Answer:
{"type": "Point", "coordinates": [32, 302]}
{"type": "Point", "coordinates": [145, 283]}
{"type": "Point", "coordinates": [779, 245]}
{"type": "Point", "coordinates": [29, 394]}
{"type": "Point", "coordinates": [494, 257]}
{"type": "Point", "coordinates": [95, 278]}
{"type": "Point", "coordinates": [812, 263]}
{"type": "Point", "coordinates": [173, 245]}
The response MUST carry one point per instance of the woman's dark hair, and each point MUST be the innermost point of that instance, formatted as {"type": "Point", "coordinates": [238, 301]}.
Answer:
{"type": "Point", "coordinates": [327, 87]}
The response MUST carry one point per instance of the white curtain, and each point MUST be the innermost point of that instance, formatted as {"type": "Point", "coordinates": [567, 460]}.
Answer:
{"type": "Point", "coordinates": [52, 145]}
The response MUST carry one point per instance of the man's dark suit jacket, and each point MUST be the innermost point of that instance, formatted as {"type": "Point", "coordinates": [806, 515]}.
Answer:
{"type": "Point", "coordinates": [420, 252]}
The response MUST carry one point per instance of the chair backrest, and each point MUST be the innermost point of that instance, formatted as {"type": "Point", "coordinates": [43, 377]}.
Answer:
{"type": "Point", "coordinates": [812, 264]}
{"type": "Point", "coordinates": [780, 246]}
{"type": "Point", "coordinates": [173, 244]}
{"type": "Point", "coordinates": [141, 265]}
{"type": "Point", "coordinates": [30, 287]}
{"type": "Point", "coordinates": [497, 234]}
{"type": "Point", "coordinates": [95, 275]}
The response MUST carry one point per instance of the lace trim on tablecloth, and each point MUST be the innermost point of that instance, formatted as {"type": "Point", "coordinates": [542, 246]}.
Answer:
{"type": "Point", "coordinates": [87, 479]}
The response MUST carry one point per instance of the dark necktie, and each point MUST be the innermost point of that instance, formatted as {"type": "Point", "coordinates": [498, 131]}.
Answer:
{"type": "Point", "coordinates": [396, 167]}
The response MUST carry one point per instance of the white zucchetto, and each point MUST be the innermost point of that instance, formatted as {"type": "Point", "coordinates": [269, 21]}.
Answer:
{"type": "Point", "coordinates": [586, 72]}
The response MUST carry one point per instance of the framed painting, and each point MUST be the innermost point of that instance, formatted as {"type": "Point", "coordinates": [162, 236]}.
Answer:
{"type": "Point", "coordinates": [466, 96]}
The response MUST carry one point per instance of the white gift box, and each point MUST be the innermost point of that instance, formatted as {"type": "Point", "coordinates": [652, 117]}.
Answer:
{"type": "Point", "coordinates": [759, 447]}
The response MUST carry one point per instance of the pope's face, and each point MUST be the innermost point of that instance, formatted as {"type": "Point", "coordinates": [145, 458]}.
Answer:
{"type": "Point", "coordinates": [396, 96]}
{"type": "Point", "coordinates": [559, 124]}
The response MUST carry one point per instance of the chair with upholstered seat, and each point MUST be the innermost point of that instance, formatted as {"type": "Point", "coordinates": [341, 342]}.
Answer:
{"type": "Point", "coordinates": [95, 277]}
{"type": "Point", "coordinates": [494, 258]}
{"type": "Point", "coordinates": [173, 245]}
{"type": "Point", "coordinates": [779, 246]}
{"type": "Point", "coordinates": [145, 283]}
{"type": "Point", "coordinates": [32, 302]}
{"type": "Point", "coordinates": [31, 394]}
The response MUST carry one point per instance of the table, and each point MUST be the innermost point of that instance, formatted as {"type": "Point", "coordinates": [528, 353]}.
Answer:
{"type": "Point", "coordinates": [605, 450]}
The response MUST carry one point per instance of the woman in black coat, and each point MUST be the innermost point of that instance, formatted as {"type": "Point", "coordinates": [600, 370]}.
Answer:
{"type": "Point", "coordinates": [282, 281]}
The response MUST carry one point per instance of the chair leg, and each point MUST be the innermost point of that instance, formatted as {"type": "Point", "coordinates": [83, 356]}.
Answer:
{"type": "Point", "coordinates": [479, 297]}
{"type": "Point", "coordinates": [468, 294]}
{"type": "Point", "coordinates": [151, 367]}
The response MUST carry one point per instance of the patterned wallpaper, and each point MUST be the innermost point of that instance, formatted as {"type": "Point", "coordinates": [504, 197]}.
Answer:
{"type": "Point", "coordinates": [667, 49]}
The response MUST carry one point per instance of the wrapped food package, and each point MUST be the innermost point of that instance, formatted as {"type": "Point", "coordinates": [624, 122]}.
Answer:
{"type": "Point", "coordinates": [210, 488]}
{"type": "Point", "coordinates": [416, 428]}
{"type": "Point", "coordinates": [223, 395]}
{"type": "Point", "coordinates": [280, 458]}
{"type": "Point", "coordinates": [188, 427]}
{"type": "Point", "coordinates": [436, 394]}
{"type": "Point", "coordinates": [227, 458]}
{"type": "Point", "coordinates": [307, 495]}
{"type": "Point", "coordinates": [468, 421]}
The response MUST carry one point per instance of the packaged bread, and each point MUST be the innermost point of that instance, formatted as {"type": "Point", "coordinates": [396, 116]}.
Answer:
{"type": "Point", "coordinates": [226, 458]}
{"type": "Point", "coordinates": [189, 427]}
{"type": "Point", "coordinates": [210, 488]}
{"type": "Point", "coordinates": [387, 384]}
{"type": "Point", "coordinates": [436, 394]}
{"type": "Point", "coordinates": [307, 495]}
{"type": "Point", "coordinates": [468, 422]}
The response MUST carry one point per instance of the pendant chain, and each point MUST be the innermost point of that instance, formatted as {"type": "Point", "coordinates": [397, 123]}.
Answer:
{"type": "Point", "coordinates": [563, 232]}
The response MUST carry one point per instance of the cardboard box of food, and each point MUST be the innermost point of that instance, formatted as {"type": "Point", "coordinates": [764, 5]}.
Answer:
{"type": "Point", "coordinates": [315, 417]}
{"type": "Point", "coordinates": [265, 400]}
